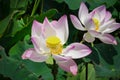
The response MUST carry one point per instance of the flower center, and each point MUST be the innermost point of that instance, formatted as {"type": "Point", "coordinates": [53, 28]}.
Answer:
{"type": "Point", "coordinates": [54, 44]}
{"type": "Point", "coordinates": [97, 24]}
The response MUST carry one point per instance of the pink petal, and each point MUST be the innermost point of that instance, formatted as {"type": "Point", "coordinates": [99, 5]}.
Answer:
{"type": "Point", "coordinates": [97, 16]}
{"type": "Point", "coordinates": [61, 28]}
{"type": "Point", "coordinates": [88, 37]}
{"type": "Point", "coordinates": [33, 55]}
{"type": "Point", "coordinates": [39, 44]}
{"type": "Point", "coordinates": [83, 13]}
{"type": "Point", "coordinates": [66, 63]}
{"type": "Point", "coordinates": [112, 28]}
{"type": "Point", "coordinates": [106, 25]}
{"type": "Point", "coordinates": [48, 29]}
{"type": "Point", "coordinates": [99, 13]}
{"type": "Point", "coordinates": [94, 33]}
{"type": "Point", "coordinates": [89, 24]}
{"type": "Point", "coordinates": [108, 16]}
{"type": "Point", "coordinates": [100, 8]}
{"type": "Point", "coordinates": [36, 43]}
{"type": "Point", "coordinates": [77, 23]}
{"type": "Point", "coordinates": [77, 50]}
{"type": "Point", "coordinates": [108, 39]}
{"type": "Point", "coordinates": [105, 38]}
{"type": "Point", "coordinates": [36, 28]}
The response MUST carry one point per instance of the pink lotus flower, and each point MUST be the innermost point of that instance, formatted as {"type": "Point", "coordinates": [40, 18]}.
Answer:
{"type": "Point", "coordinates": [48, 40]}
{"type": "Point", "coordinates": [97, 23]}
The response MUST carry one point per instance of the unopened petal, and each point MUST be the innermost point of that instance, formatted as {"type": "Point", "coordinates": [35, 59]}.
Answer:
{"type": "Point", "coordinates": [66, 63]}
{"type": "Point", "coordinates": [77, 23]}
{"type": "Point", "coordinates": [77, 50]}
{"type": "Point", "coordinates": [33, 55]}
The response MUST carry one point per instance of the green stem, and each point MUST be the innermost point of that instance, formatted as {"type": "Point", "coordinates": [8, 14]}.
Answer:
{"type": "Point", "coordinates": [35, 7]}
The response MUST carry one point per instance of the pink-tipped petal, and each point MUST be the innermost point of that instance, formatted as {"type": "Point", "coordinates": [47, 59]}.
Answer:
{"type": "Point", "coordinates": [112, 28]}
{"type": "Point", "coordinates": [108, 39]}
{"type": "Point", "coordinates": [83, 13]}
{"type": "Point", "coordinates": [77, 50]}
{"type": "Point", "coordinates": [77, 23]}
{"type": "Point", "coordinates": [33, 55]}
{"type": "Point", "coordinates": [66, 63]}
{"type": "Point", "coordinates": [48, 29]}
{"type": "Point", "coordinates": [61, 28]}
{"type": "Point", "coordinates": [36, 28]}
{"type": "Point", "coordinates": [88, 37]}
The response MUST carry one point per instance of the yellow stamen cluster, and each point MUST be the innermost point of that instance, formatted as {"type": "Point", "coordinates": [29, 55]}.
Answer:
{"type": "Point", "coordinates": [97, 24]}
{"type": "Point", "coordinates": [54, 44]}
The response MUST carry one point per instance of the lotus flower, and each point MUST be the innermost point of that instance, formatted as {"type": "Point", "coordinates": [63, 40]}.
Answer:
{"type": "Point", "coordinates": [97, 23]}
{"type": "Point", "coordinates": [48, 40]}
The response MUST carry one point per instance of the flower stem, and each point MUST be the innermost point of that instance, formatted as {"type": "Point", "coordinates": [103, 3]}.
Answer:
{"type": "Point", "coordinates": [82, 41]}
{"type": "Point", "coordinates": [92, 44]}
{"type": "Point", "coordinates": [54, 70]}
{"type": "Point", "coordinates": [86, 73]}
{"type": "Point", "coordinates": [41, 6]}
